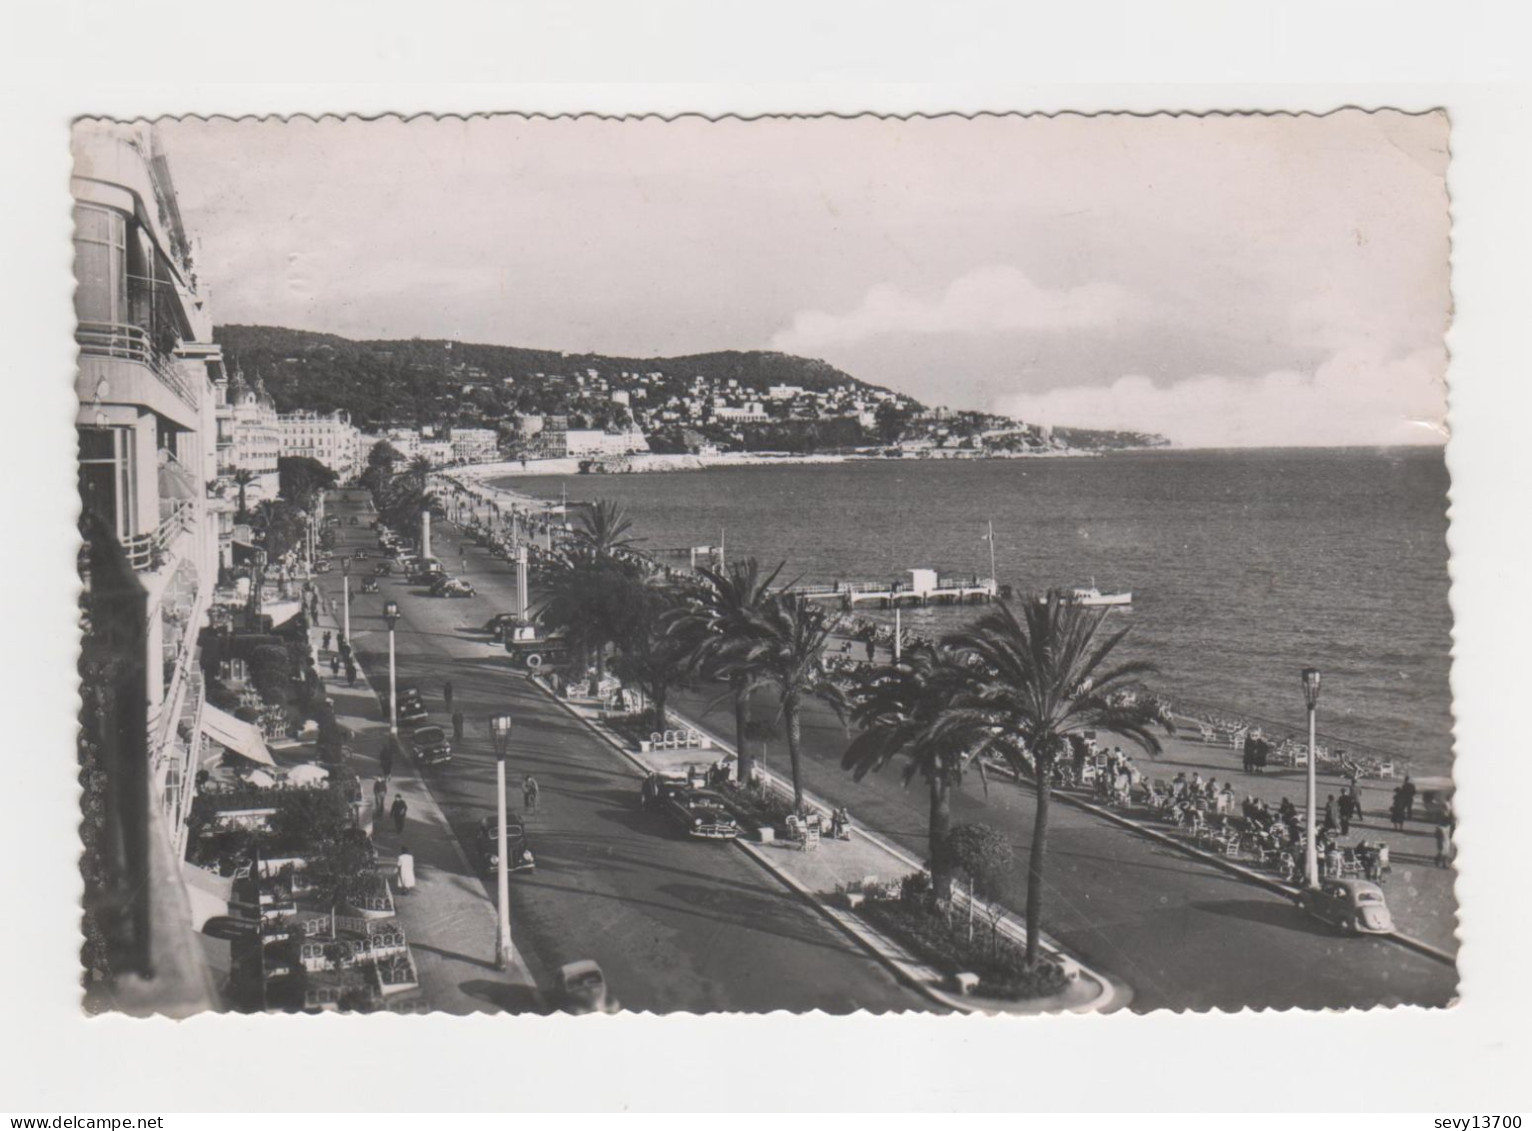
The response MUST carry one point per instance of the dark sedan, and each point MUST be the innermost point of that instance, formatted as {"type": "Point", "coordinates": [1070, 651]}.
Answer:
{"type": "Point", "coordinates": [518, 854]}
{"type": "Point", "coordinates": [700, 814]}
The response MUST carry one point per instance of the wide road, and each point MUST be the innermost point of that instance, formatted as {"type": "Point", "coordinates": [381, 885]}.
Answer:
{"type": "Point", "coordinates": [1181, 933]}
{"type": "Point", "coordinates": [675, 924]}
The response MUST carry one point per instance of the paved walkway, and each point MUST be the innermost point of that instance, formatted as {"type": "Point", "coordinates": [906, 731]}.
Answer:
{"type": "Point", "coordinates": [825, 874]}
{"type": "Point", "coordinates": [1420, 895]}
{"type": "Point", "coordinates": [448, 918]}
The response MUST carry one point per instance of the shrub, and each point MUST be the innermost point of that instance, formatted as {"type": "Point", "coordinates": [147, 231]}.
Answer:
{"type": "Point", "coordinates": [756, 805]}
{"type": "Point", "coordinates": [269, 673]}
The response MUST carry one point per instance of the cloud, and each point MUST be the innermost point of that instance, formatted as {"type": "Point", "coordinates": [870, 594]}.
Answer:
{"type": "Point", "coordinates": [989, 299]}
{"type": "Point", "coordinates": [1357, 396]}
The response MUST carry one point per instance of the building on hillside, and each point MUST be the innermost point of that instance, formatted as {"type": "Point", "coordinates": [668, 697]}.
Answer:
{"type": "Point", "coordinates": [438, 451]}
{"type": "Point", "coordinates": [783, 392]}
{"type": "Point", "coordinates": [475, 445]}
{"type": "Point", "coordinates": [749, 413]}
{"type": "Point", "coordinates": [406, 441]}
{"type": "Point", "coordinates": [585, 442]}
{"type": "Point", "coordinates": [553, 439]}
{"type": "Point", "coordinates": [148, 451]}
{"type": "Point", "coordinates": [328, 437]}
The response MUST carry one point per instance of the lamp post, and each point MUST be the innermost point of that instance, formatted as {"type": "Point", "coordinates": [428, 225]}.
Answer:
{"type": "Point", "coordinates": [1310, 852]}
{"type": "Point", "coordinates": [500, 730]}
{"type": "Point", "coordinates": [391, 615]}
{"type": "Point", "coordinates": [345, 586]}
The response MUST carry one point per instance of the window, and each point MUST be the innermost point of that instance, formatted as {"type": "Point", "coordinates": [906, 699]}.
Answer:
{"type": "Point", "coordinates": [107, 479]}
{"type": "Point", "coordinates": [100, 247]}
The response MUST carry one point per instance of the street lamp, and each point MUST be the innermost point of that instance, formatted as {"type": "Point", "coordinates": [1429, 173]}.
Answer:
{"type": "Point", "coordinates": [345, 583]}
{"type": "Point", "coordinates": [391, 615]}
{"type": "Point", "coordinates": [1310, 852]}
{"type": "Point", "coordinates": [500, 730]}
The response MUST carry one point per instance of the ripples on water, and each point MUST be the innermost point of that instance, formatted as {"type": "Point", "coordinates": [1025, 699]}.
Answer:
{"type": "Point", "coordinates": [1245, 566]}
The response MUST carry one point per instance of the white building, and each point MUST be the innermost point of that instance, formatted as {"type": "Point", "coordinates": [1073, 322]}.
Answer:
{"type": "Point", "coordinates": [328, 437]}
{"type": "Point", "coordinates": [475, 445]}
{"type": "Point", "coordinates": [585, 442]}
{"type": "Point", "coordinates": [750, 413]}
{"type": "Point", "coordinates": [783, 392]}
{"type": "Point", "coordinates": [256, 435]}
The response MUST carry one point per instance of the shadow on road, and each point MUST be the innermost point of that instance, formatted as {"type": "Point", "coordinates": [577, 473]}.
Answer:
{"type": "Point", "coordinates": [1266, 912]}
{"type": "Point", "coordinates": [504, 996]}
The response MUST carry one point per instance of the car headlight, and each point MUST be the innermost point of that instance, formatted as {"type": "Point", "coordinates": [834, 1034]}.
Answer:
{"type": "Point", "coordinates": [696, 821]}
{"type": "Point", "coordinates": [527, 856]}
{"type": "Point", "coordinates": [493, 860]}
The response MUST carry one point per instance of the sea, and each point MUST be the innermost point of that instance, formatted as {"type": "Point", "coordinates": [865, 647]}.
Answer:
{"type": "Point", "coordinates": [1245, 566]}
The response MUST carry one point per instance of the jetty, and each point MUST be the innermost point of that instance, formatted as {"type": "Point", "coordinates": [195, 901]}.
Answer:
{"type": "Point", "coordinates": [924, 587]}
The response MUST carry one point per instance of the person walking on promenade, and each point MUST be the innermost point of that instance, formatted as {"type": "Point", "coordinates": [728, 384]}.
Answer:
{"type": "Point", "coordinates": [447, 694]}
{"type": "Point", "coordinates": [1343, 807]}
{"type": "Point", "coordinates": [457, 726]}
{"type": "Point", "coordinates": [1397, 810]}
{"type": "Point", "coordinates": [379, 796]}
{"type": "Point", "coordinates": [386, 759]}
{"type": "Point", "coordinates": [406, 870]}
{"type": "Point", "coordinates": [350, 672]}
{"type": "Point", "coordinates": [399, 811]}
{"type": "Point", "coordinates": [1329, 820]}
{"type": "Point", "coordinates": [529, 792]}
{"type": "Point", "coordinates": [325, 643]}
{"type": "Point", "coordinates": [1443, 843]}
{"type": "Point", "coordinates": [335, 665]}
{"type": "Point", "coordinates": [1407, 791]}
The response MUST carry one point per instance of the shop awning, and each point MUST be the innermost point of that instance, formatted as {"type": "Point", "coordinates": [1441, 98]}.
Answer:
{"type": "Point", "coordinates": [237, 735]}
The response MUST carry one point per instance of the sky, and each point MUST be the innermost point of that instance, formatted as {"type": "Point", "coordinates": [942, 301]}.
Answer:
{"type": "Point", "coordinates": [1224, 281]}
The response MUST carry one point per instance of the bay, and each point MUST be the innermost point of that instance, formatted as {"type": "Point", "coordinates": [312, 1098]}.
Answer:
{"type": "Point", "coordinates": [1245, 566]}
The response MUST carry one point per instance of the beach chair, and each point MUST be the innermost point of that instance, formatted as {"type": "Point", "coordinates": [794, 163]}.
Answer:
{"type": "Point", "coordinates": [810, 842]}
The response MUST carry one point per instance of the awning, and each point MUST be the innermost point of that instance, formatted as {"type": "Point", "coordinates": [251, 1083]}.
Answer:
{"type": "Point", "coordinates": [241, 737]}
{"type": "Point", "coordinates": [178, 483]}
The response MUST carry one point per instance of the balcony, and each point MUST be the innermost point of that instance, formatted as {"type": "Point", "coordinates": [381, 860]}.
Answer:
{"type": "Point", "coordinates": [148, 551]}
{"type": "Point", "coordinates": [128, 342]}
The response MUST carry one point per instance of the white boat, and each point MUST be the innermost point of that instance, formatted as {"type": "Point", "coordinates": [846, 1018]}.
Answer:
{"type": "Point", "coordinates": [1092, 597]}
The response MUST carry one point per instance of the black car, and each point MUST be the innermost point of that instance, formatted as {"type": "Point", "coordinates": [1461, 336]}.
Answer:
{"type": "Point", "coordinates": [661, 787]}
{"type": "Point", "coordinates": [518, 853]}
{"type": "Point", "coordinates": [496, 624]}
{"type": "Point", "coordinates": [430, 746]}
{"type": "Point", "coordinates": [412, 708]}
{"type": "Point", "coordinates": [700, 814]}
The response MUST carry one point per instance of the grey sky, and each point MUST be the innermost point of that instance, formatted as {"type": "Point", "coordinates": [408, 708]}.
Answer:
{"type": "Point", "coordinates": [1224, 281]}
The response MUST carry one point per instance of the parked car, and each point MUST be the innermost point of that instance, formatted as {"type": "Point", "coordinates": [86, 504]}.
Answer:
{"type": "Point", "coordinates": [518, 853]}
{"type": "Point", "coordinates": [1354, 906]}
{"type": "Point", "coordinates": [360, 555]}
{"type": "Point", "coordinates": [453, 587]}
{"type": "Point", "coordinates": [658, 787]}
{"type": "Point", "coordinates": [531, 648]}
{"type": "Point", "coordinates": [497, 623]}
{"type": "Point", "coordinates": [322, 566]}
{"type": "Point", "coordinates": [430, 746]}
{"type": "Point", "coordinates": [369, 585]}
{"type": "Point", "coordinates": [383, 569]}
{"type": "Point", "coordinates": [582, 988]}
{"type": "Point", "coordinates": [700, 814]}
{"type": "Point", "coordinates": [412, 708]}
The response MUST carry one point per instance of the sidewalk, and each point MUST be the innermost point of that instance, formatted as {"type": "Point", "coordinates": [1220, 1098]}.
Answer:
{"type": "Point", "coordinates": [1420, 895]}
{"type": "Point", "coordinates": [824, 875]}
{"type": "Point", "coordinates": [448, 918]}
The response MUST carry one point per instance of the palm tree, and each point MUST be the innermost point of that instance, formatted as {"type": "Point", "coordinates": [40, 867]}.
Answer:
{"type": "Point", "coordinates": [787, 655]}
{"type": "Point", "coordinates": [897, 708]}
{"type": "Point", "coordinates": [603, 530]}
{"type": "Point", "coordinates": [1028, 683]}
{"type": "Point", "coordinates": [723, 616]}
{"type": "Point", "coordinates": [419, 472]}
{"type": "Point", "coordinates": [243, 477]}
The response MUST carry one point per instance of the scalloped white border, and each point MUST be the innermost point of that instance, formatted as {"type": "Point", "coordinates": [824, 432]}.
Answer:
{"type": "Point", "coordinates": [802, 58]}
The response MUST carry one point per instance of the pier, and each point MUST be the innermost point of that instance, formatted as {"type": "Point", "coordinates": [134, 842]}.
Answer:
{"type": "Point", "coordinates": [924, 587]}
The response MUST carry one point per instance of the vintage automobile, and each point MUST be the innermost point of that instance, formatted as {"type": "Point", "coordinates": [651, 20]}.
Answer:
{"type": "Point", "coordinates": [360, 555]}
{"type": "Point", "coordinates": [322, 565]}
{"type": "Point", "coordinates": [430, 746]}
{"type": "Point", "coordinates": [700, 814]}
{"type": "Point", "coordinates": [425, 571]}
{"type": "Point", "coordinates": [531, 648]}
{"type": "Point", "coordinates": [581, 988]}
{"type": "Point", "coordinates": [412, 708]}
{"type": "Point", "coordinates": [658, 787]}
{"type": "Point", "coordinates": [453, 587]}
{"type": "Point", "coordinates": [497, 623]}
{"type": "Point", "coordinates": [383, 569]}
{"type": "Point", "coordinates": [518, 853]}
{"type": "Point", "coordinates": [1354, 906]}
{"type": "Point", "coordinates": [369, 585]}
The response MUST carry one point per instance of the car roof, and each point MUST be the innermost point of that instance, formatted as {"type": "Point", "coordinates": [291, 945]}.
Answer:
{"type": "Point", "coordinates": [429, 732]}
{"type": "Point", "coordinates": [575, 969]}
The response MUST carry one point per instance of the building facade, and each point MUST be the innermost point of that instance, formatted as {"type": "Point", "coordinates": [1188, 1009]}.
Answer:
{"type": "Point", "coordinates": [475, 445]}
{"type": "Point", "coordinates": [328, 437]}
{"type": "Point", "coordinates": [255, 437]}
{"type": "Point", "coordinates": [148, 452]}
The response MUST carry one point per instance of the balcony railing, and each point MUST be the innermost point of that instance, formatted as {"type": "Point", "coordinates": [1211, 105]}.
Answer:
{"type": "Point", "coordinates": [142, 550]}
{"type": "Point", "coordinates": [132, 343]}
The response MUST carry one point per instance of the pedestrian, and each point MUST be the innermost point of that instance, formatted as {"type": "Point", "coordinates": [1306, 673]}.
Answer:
{"type": "Point", "coordinates": [529, 793]}
{"type": "Point", "coordinates": [1407, 790]}
{"type": "Point", "coordinates": [335, 666]}
{"type": "Point", "coordinates": [447, 694]}
{"type": "Point", "coordinates": [350, 672]}
{"type": "Point", "coordinates": [1329, 821]}
{"type": "Point", "coordinates": [1396, 811]}
{"type": "Point", "coordinates": [457, 726]}
{"type": "Point", "coordinates": [1356, 802]}
{"type": "Point", "coordinates": [325, 644]}
{"type": "Point", "coordinates": [406, 870]}
{"type": "Point", "coordinates": [386, 758]}
{"type": "Point", "coordinates": [1343, 806]}
{"type": "Point", "coordinates": [399, 811]}
{"type": "Point", "coordinates": [379, 796]}
{"type": "Point", "coordinates": [1443, 840]}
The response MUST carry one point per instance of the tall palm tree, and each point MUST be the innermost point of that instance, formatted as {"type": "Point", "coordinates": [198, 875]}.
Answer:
{"type": "Point", "coordinates": [243, 477]}
{"type": "Point", "coordinates": [603, 530]}
{"type": "Point", "coordinates": [721, 617]}
{"type": "Point", "coordinates": [419, 472]}
{"type": "Point", "coordinates": [787, 656]}
{"type": "Point", "coordinates": [897, 708]}
{"type": "Point", "coordinates": [1031, 681]}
